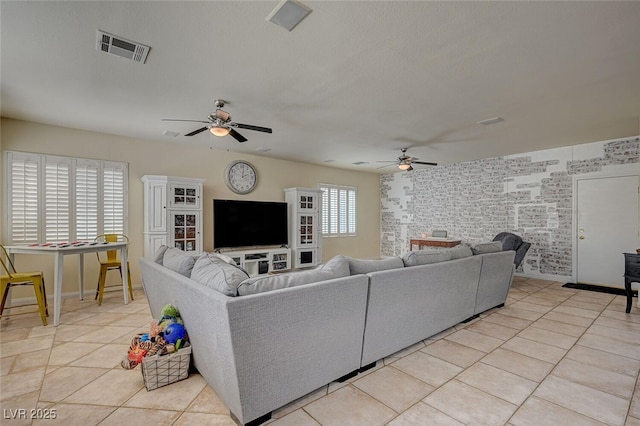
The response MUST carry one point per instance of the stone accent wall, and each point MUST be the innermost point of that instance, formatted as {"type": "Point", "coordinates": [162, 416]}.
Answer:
{"type": "Point", "coordinates": [528, 194]}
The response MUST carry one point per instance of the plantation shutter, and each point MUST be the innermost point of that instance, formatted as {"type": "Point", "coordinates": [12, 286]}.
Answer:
{"type": "Point", "coordinates": [342, 209]}
{"type": "Point", "coordinates": [114, 197]}
{"type": "Point", "coordinates": [325, 210]}
{"type": "Point", "coordinates": [338, 210]}
{"type": "Point", "coordinates": [23, 187]}
{"type": "Point", "coordinates": [56, 199]}
{"type": "Point", "coordinates": [333, 210]}
{"type": "Point", "coordinates": [86, 200]}
{"type": "Point", "coordinates": [351, 211]}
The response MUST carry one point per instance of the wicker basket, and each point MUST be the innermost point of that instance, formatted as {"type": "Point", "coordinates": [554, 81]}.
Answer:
{"type": "Point", "coordinates": [162, 370]}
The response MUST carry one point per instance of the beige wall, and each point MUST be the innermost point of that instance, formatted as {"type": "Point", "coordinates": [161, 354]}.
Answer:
{"type": "Point", "coordinates": [189, 160]}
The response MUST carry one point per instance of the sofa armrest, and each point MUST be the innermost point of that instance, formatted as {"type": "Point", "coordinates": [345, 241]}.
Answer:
{"type": "Point", "coordinates": [495, 280]}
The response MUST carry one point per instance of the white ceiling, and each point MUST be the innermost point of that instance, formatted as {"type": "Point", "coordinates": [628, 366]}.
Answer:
{"type": "Point", "coordinates": [355, 81]}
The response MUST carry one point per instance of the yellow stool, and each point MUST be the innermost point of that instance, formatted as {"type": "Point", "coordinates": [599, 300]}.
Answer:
{"type": "Point", "coordinates": [111, 262]}
{"type": "Point", "coordinates": [12, 278]}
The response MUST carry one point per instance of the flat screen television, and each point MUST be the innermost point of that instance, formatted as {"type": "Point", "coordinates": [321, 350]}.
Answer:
{"type": "Point", "coordinates": [238, 223]}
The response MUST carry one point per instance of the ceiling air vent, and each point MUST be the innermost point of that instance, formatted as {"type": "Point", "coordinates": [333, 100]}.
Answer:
{"type": "Point", "coordinates": [118, 46]}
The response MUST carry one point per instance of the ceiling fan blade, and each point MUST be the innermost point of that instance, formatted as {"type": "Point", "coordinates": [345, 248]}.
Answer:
{"type": "Point", "coordinates": [195, 132]}
{"type": "Point", "coordinates": [237, 136]}
{"type": "Point", "coordinates": [382, 167]}
{"type": "Point", "coordinates": [250, 127]}
{"type": "Point", "coordinates": [424, 162]}
{"type": "Point", "coordinates": [192, 121]}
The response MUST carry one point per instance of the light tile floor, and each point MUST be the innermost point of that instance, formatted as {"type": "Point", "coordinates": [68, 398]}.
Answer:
{"type": "Point", "coordinates": [550, 356]}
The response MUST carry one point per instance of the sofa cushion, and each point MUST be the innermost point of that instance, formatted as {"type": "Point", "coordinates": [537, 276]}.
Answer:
{"type": "Point", "coordinates": [482, 248]}
{"type": "Point", "coordinates": [214, 272]}
{"type": "Point", "coordinates": [425, 257]}
{"type": "Point", "coordinates": [337, 267]}
{"type": "Point", "coordinates": [460, 251]}
{"type": "Point", "coordinates": [229, 260]}
{"type": "Point", "coordinates": [364, 266]}
{"type": "Point", "coordinates": [158, 256]}
{"type": "Point", "coordinates": [178, 261]}
{"type": "Point", "coordinates": [224, 258]}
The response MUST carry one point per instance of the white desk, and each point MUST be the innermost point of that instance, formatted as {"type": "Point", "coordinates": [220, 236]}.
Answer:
{"type": "Point", "coordinates": [59, 252]}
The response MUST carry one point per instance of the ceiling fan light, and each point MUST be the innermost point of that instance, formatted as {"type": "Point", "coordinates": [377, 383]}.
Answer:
{"type": "Point", "coordinates": [219, 131]}
{"type": "Point", "coordinates": [404, 166]}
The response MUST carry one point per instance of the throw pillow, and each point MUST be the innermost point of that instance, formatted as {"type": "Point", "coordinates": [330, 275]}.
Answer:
{"type": "Point", "coordinates": [482, 248]}
{"type": "Point", "coordinates": [229, 260]}
{"type": "Point", "coordinates": [460, 251]}
{"type": "Point", "coordinates": [225, 258]}
{"type": "Point", "coordinates": [210, 270]}
{"type": "Point", "coordinates": [337, 267]}
{"type": "Point", "coordinates": [178, 261]}
{"type": "Point", "coordinates": [364, 266]}
{"type": "Point", "coordinates": [421, 257]}
{"type": "Point", "coordinates": [159, 254]}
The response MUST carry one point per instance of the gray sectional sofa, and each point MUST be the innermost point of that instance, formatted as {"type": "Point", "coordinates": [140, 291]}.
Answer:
{"type": "Point", "coordinates": [289, 334]}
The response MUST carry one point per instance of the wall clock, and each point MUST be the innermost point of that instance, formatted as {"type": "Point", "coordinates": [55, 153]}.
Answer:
{"type": "Point", "coordinates": [241, 177]}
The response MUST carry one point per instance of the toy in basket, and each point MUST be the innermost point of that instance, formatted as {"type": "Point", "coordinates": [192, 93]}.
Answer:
{"type": "Point", "coordinates": [164, 352]}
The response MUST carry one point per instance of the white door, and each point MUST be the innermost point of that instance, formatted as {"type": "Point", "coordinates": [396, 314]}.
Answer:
{"type": "Point", "coordinates": [607, 226]}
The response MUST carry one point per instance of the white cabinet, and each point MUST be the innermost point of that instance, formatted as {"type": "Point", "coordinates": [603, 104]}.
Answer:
{"type": "Point", "coordinates": [305, 215]}
{"type": "Point", "coordinates": [262, 261]}
{"type": "Point", "coordinates": [172, 213]}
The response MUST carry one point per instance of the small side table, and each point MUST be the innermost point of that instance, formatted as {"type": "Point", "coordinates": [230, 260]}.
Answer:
{"type": "Point", "coordinates": [631, 274]}
{"type": "Point", "coordinates": [433, 242]}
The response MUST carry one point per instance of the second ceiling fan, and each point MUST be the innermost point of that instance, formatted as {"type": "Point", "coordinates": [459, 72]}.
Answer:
{"type": "Point", "coordinates": [405, 161]}
{"type": "Point", "coordinates": [219, 123]}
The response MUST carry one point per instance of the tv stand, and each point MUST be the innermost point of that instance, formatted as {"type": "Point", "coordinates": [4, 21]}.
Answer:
{"type": "Point", "coordinates": [262, 261]}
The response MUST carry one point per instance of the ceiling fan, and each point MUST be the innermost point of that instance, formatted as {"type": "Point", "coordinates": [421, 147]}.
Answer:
{"type": "Point", "coordinates": [219, 123]}
{"type": "Point", "coordinates": [405, 161]}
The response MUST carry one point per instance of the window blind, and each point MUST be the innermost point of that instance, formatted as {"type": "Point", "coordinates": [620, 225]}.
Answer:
{"type": "Point", "coordinates": [55, 199]}
{"type": "Point", "coordinates": [22, 187]}
{"type": "Point", "coordinates": [114, 198]}
{"type": "Point", "coordinates": [338, 210]}
{"type": "Point", "coordinates": [86, 200]}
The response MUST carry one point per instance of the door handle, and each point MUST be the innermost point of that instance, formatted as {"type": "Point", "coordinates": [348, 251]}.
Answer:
{"type": "Point", "coordinates": [581, 236]}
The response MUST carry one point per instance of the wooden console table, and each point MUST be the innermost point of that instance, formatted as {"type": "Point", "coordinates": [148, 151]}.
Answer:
{"type": "Point", "coordinates": [631, 274]}
{"type": "Point", "coordinates": [433, 242]}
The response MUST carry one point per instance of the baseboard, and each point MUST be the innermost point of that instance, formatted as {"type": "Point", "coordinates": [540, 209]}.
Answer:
{"type": "Point", "coordinates": [559, 278]}
{"type": "Point", "coordinates": [88, 295]}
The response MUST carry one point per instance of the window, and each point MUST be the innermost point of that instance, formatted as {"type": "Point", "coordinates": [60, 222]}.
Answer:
{"type": "Point", "coordinates": [338, 210]}
{"type": "Point", "coordinates": [54, 199]}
